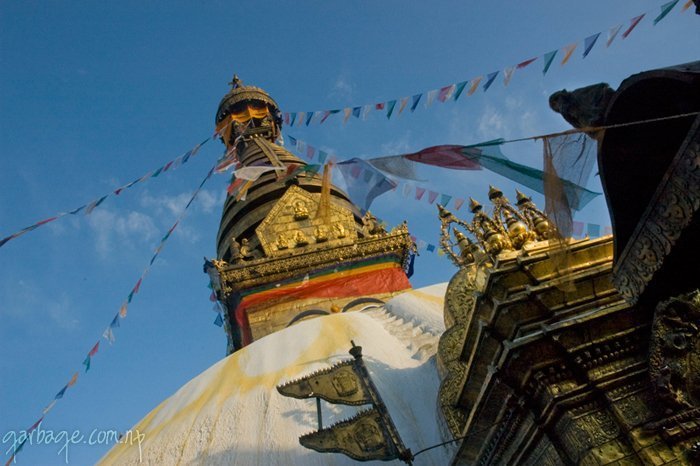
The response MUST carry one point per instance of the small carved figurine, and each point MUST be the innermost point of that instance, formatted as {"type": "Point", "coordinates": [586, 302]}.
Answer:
{"type": "Point", "coordinates": [321, 233]}
{"type": "Point", "coordinates": [301, 212]}
{"type": "Point", "coordinates": [300, 238]}
{"type": "Point", "coordinates": [371, 226]}
{"type": "Point", "coordinates": [339, 230]}
{"type": "Point", "coordinates": [282, 241]}
{"type": "Point", "coordinates": [246, 250]}
{"type": "Point", "coordinates": [235, 251]}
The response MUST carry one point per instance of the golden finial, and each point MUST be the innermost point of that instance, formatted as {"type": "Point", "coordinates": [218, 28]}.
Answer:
{"type": "Point", "coordinates": [443, 213]}
{"type": "Point", "coordinates": [474, 206]}
{"type": "Point", "coordinates": [494, 192]}
{"type": "Point", "coordinates": [521, 198]}
{"type": "Point", "coordinates": [235, 82]}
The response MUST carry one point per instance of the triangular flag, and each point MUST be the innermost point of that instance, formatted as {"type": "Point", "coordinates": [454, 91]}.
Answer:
{"type": "Point", "coordinates": [458, 90]}
{"type": "Point", "coordinates": [612, 33]}
{"type": "Point", "coordinates": [431, 247]}
{"type": "Point", "coordinates": [310, 151]}
{"type": "Point", "coordinates": [109, 335]}
{"type": "Point", "coordinates": [474, 85]}
{"type": "Point", "coordinates": [416, 99]}
{"type": "Point", "coordinates": [407, 188]}
{"type": "Point", "coordinates": [346, 114]}
{"type": "Point", "coordinates": [49, 407]}
{"type": "Point", "coordinates": [633, 24]}
{"type": "Point", "coordinates": [94, 349]}
{"type": "Point", "coordinates": [293, 117]}
{"type": "Point", "coordinates": [432, 196]}
{"type": "Point", "coordinates": [286, 118]}
{"type": "Point", "coordinates": [309, 117]}
{"type": "Point", "coordinates": [446, 92]}
{"type": "Point", "coordinates": [445, 199]}
{"type": "Point", "coordinates": [508, 74]}
{"type": "Point", "coordinates": [36, 424]}
{"type": "Point", "coordinates": [86, 362]}
{"type": "Point", "coordinates": [122, 310]}
{"type": "Point", "coordinates": [489, 80]}
{"type": "Point", "coordinates": [73, 380]}
{"type": "Point", "coordinates": [430, 97]}
{"type": "Point", "coordinates": [322, 156]}
{"type": "Point", "coordinates": [365, 111]}
{"type": "Point", "coordinates": [325, 116]}
{"type": "Point", "coordinates": [685, 7]}
{"type": "Point", "coordinates": [60, 394]}
{"type": "Point", "coordinates": [548, 59]}
{"type": "Point", "coordinates": [589, 42]}
{"type": "Point", "coordinates": [356, 112]}
{"type": "Point", "coordinates": [404, 102]}
{"type": "Point", "coordinates": [419, 193]}
{"type": "Point", "coordinates": [115, 322]}
{"type": "Point", "coordinates": [390, 108]}
{"type": "Point", "coordinates": [665, 9]}
{"type": "Point", "coordinates": [379, 106]}
{"type": "Point", "coordinates": [458, 203]}
{"type": "Point", "coordinates": [138, 283]}
{"type": "Point", "coordinates": [568, 50]}
{"type": "Point", "coordinates": [219, 320]}
{"type": "Point", "coordinates": [301, 117]}
{"type": "Point", "coordinates": [523, 64]}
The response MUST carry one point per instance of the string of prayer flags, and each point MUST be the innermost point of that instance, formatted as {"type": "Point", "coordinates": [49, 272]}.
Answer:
{"type": "Point", "coordinates": [108, 333]}
{"type": "Point", "coordinates": [452, 92]}
{"type": "Point", "coordinates": [90, 206]}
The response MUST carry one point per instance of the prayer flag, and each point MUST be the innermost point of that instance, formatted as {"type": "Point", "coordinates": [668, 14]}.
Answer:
{"type": "Point", "coordinates": [60, 394]}
{"type": "Point", "coordinates": [608, 230]}
{"type": "Point", "coordinates": [109, 335]}
{"type": "Point", "coordinates": [137, 286]}
{"type": "Point", "coordinates": [589, 42]}
{"type": "Point", "coordinates": [212, 297]}
{"type": "Point", "coordinates": [489, 80]}
{"type": "Point", "coordinates": [379, 106]}
{"type": "Point", "coordinates": [309, 116]}
{"type": "Point", "coordinates": [255, 172]}
{"type": "Point", "coordinates": [432, 195]}
{"type": "Point", "coordinates": [325, 116]}
{"type": "Point", "coordinates": [322, 156]}
{"type": "Point", "coordinates": [346, 114]}
{"type": "Point", "coordinates": [292, 141]}
{"type": "Point", "coordinates": [365, 111]}
{"type": "Point", "coordinates": [474, 85]}
{"type": "Point", "coordinates": [72, 380]}
{"type": "Point", "coordinates": [548, 59]}
{"type": "Point", "coordinates": [633, 24]}
{"type": "Point", "coordinates": [286, 118]}
{"type": "Point", "coordinates": [665, 9]}
{"type": "Point", "coordinates": [430, 97]}
{"type": "Point", "coordinates": [416, 99]}
{"type": "Point", "coordinates": [458, 90]}
{"type": "Point", "coordinates": [115, 321]}
{"type": "Point", "coordinates": [431, 247]}
{"type": "Point", "coordinates": [157, 172]}
{"type": "Point", "coordinates": [419, 193]}
{"type": "Point", "coordinates": [687, 5]}
{"type": "Point", "coordinates": [292, 118]}
{"type": "Point", "coordinates": [612, 33]}
{"type": "Point", "coordinates": [407, 188]}
{"type": "Point", "coordinates": [49, 407]}
{"type": "Point", "coordinates": [356, 112]}
{"type": "Point", "coordinates": [86, 362]}
{"type": "Point", "coordinates": [94, 349]}
{"type": "Point", "coordinates": [122, 310]}
{"type": "Point", "coordinates": [507, 75]}
{"type": "Point", "coordinates": [219, 320]}
{"type": "Point", "coordinates": [458, 203]}
{"type": "Point", "coordinates": [36, 424]}
{"type": "Point", "coordinates": [445, 199]}
{"type": "Point", "coordinates": [90, 207]}
{"type": "Point", "coordinates": [523, 64]}
{"type": "Point", "coordinates": [568, 50]}
{"type": "Point", "coordinates": [310, 151]}
{"type": "Point", "coordinates": [363, 193]}
{"type": "Point", "coordinates": [446, 92]}
{"type": "Point", "coordinates": [593, 230]}
{"type": "Point", "coordinates": [404, 102]}
{"type": "Point", "coordinates": [445, 156]}
{"type": "Point", "coordinates": [301, 117]}
{"type": "Point", "coordinates": [390, 108]}
{"type": "Point", "coordinates": [578, 228]}
{"type": "Point", "coordinates": [440, 252]}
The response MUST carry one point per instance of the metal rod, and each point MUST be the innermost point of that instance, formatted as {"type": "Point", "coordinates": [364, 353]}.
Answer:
{"type": "Point", "coordinates": [318, 412]}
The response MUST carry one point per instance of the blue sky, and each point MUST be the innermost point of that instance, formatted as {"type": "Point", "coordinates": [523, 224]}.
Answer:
{"type": "Point", "coordinates": [93, 95]}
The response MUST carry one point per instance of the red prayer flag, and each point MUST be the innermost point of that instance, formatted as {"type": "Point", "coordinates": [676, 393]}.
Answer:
{"type": "Point", "coordinates": [633, 24]}
{"type": "Point", "coordinates": [419, 193]}
{"type": "Point", "coordinates": [94, 349]}
{"type": "Point", "coordinates": [379, 106]}
{"type": "Point", "coordinates": [432, 195]}
{"type": "Point", "coordinates": [525, 63]}
{"type": "Point", "coordinates": [446, 156]}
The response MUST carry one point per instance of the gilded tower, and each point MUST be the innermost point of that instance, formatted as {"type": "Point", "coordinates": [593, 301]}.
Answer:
{"type": "Point", "coordinates": [291, 245]}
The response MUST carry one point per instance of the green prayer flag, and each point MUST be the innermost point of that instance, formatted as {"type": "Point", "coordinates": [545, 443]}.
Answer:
{"type": "Point", "coordinates": [390, 108]}
{"type": "Point", "coordinates": [665, 9]}
{"type": "Point", "coordinates": [87, 363]}
{"type": "Point", "coordinates": [459, 89]}
{"type": "Point", "coordinates": [548, 59]}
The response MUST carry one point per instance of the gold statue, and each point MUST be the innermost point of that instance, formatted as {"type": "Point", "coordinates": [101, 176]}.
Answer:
{"type": "Point", "coordinates": [321, 233]}
{"type": "Point", "coordinates": [339, 230]}
{"type": "Point", "coordinates": [301, 212]}
{"type": "Point", "coordinates": [282, 241]}
{"type": "Point", "coordinates": [235, 251]}
{"type": "Point", "coordinates": [246, 251]}
{"type": "Point", "coordinates": [300, 238]}
{"type": "Point", "coordinates": [371, 226]}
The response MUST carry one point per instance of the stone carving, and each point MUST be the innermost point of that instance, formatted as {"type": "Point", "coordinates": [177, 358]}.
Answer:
{"type": "Point", "coordinates": [235, 251]}
{"type": "Point", "coordinates": [674, 353]}
{"type": "Point", "coordinates": [371, 226]}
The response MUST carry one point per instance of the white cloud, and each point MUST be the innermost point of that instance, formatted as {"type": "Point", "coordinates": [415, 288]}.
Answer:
{"type": "Point", "coordinates": [114, 230]}
{"type": "Point", "coordinates": [342, 89]}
